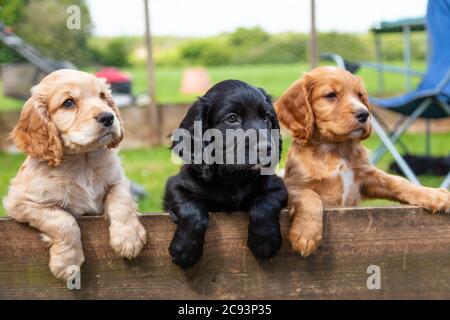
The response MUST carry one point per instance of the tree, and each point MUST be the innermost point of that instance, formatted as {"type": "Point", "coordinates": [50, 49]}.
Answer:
{"type": "Point", "coordinates": [248, 37]}
{"type": "Point", "coordinates": [11, 11]}
{"type": "Point", "coordinates": [10, 14]}
{"type": "Point", "coordinates": [42, 23]}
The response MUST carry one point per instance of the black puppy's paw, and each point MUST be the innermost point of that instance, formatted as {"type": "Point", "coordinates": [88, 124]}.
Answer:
{"type": "Point", "coordinates": [186, 253]}
{"type": "Point", "coordinates": [264, 243]}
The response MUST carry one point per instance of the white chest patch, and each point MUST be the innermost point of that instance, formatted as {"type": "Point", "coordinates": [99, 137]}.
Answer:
{"type": "Point", "coordinates": [347, 182]}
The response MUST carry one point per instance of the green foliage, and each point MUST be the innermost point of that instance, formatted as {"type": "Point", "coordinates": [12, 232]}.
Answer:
{"type": "Point", "coordinates": [210, 52]}
{"type": "Point", "coordinates": [10, 14]}
{"type": "Point", "coordinates": [283, 48]}
{"type": "Point", "coordinates": [350, 46]}
{"type": "Point", "coordinates": [11, 11]}
{"type": "Point", "coordinates": [248, 37]}
{"type": "Point", "coordinates": [42, 23]}
{"type": "Point", "coordinates": [392, 46]}
{"type": "Point", "coordinates": [255, 46]}
{"type": "Point", "coordinates": [114, 52]}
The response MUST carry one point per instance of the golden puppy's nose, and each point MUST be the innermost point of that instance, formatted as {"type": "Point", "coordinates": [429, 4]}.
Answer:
{"type": "Point", "coordinates": [105, 118]}
{"type": "Point", "coordinates": [362, 116]}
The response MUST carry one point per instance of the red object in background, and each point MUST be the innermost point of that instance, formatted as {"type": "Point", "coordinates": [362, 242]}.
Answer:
{"type": "Point", "coordinates": [113, 75]}
{"type": "Point", "coordinates": [119, 81]}
{"type": "Point", "coordinates": [195, 81]}
{"type": "Point", "coordinates": [8, 30]}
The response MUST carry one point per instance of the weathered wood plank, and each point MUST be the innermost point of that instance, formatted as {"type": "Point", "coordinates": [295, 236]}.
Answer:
{"type": "Point", "coordinates": [411, 247]}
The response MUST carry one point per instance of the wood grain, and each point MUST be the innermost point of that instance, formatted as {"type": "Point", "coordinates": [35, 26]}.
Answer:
{"type": "Point", "coordinates": [411, 246]}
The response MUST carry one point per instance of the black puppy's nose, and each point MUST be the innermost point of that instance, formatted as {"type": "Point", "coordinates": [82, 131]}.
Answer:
{"type": "Point", "coordinates": [362, 116]}
{"type": "Point", "coordinates": [105, 118]}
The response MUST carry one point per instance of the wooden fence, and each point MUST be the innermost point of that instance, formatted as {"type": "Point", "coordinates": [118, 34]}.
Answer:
{"type": "Point", "coordinates": [410, 246]}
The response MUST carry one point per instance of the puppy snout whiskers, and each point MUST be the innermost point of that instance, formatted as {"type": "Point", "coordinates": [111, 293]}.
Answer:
{"type": "Point", "coordinates": [105, 118]}
{"type": "Point", "coordinates": [362, 116]}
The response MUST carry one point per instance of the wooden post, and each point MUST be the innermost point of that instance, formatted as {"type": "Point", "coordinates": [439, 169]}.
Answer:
{"type": "Point", "coordinates": [407, 56]}
{"type": "Point", "coordinates": [379, 58]}
{"type": "Point", "coordinates": [313, 46]}
{"type": "Point", "coordinates": [152, 106]}
{"type": "Point", "coordinates": [407, 245]}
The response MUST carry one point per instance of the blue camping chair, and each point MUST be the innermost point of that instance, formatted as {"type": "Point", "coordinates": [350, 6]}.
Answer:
{"type": "Point", "coordinates": [430, 100]}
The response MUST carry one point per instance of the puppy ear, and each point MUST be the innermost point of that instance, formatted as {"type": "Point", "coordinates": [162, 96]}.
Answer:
{"type": "Point", "coordinates": [36, 135]}
{"type": "Point", "coordinates": [266, 95]}
{"type": "Point", "coordinates": [294, 109]}
{"type": "Point", "coordinates": [365, 96]}
{"type": "Point", "coordinates": [273, 120]}
{"type": "Point", "coordinates": [110, 101]}
{"type": "Point", "coordinates": [365, 99]}
{"type": "Point", "coordinates": [199, 111]}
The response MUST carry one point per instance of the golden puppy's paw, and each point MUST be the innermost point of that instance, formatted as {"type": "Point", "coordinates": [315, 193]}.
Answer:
{"type": "Point", "coordinates": [127, 240]}
{"type": "Point", "coordinates": [435, 200]}
{"type": "Point", "coordinates": [306, 237]}
{"type": "Point", "coordinates": [63, 262]}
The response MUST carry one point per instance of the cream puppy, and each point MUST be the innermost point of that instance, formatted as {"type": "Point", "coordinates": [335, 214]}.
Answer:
{"type": "Point", "coordinates": [69, 128]}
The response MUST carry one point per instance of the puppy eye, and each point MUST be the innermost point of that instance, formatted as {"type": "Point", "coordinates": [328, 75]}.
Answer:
{"type": "Point", "coordinates": [102, 95]}
{"type": "Point", "coordinates": [232, 118]}
{"type": "Point", "coordinates": [361, 95]}
{"type": "Point", "coordinates": [331, 96]}
{"type": "Point", "coordinates": [69, 103]}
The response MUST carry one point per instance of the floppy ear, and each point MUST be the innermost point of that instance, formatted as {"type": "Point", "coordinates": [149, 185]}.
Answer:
{"type": "Point", "coordinates": [110, 101]}
{"type": "Point", "coordinates": [199, 111]}
{"type": "Point", "coordinates": [35, 134]}
{"type": "Point", "coordinates": [273, 119]}
{"type": "Point", "coordinates": [365, 99]}
{"type": "Point", "coordinates": [294, 109]}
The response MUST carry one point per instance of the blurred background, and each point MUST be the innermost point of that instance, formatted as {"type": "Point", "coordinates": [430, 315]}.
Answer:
{"type": "Point", "coordinates": [159, 63]}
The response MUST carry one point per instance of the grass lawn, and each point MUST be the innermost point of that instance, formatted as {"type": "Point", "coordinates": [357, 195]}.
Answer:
{"type": "Point", "coordinates": [275, 78]}
{"type": "Point", "coordinates": [152, 167]}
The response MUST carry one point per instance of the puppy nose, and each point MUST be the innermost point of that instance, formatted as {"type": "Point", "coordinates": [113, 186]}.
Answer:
{"type": "Point", "coordinates": [105, 118]}
{"type": "Point", "coordinates": [362, 116]}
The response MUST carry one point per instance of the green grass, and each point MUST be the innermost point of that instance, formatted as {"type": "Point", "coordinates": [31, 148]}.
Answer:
{"type": "Point", "coordinates": [275, 78]}
{"type": "Point", "coordinates": [149, 168]}
{"type": "Point", "coordinates": [152, 167]}
{"type": "Point", "coordinates": [7, 104]}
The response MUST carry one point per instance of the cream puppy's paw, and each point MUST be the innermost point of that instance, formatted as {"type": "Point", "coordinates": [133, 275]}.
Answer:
{"type": "Point", "coordinates": [62, 261]}
{"type": "Point", "coordinates": [128, 239]}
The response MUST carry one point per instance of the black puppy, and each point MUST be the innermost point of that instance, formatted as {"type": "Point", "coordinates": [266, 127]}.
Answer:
{"type": "Point", "coordinates": [200, 188]}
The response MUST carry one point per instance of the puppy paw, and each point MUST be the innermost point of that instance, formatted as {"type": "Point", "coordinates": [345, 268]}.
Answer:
{"type": "Point", "coordinates": [186, 251]}
{"type": "Point", "coordinates": [62, 261]}
{"type": "Point", "coordinates": [127, 240]}
{"type": "Point", "coordinates": [306, 238]}
{"type": "Point", "coordinates": [264, 243]}
{"type": "Point", "coordinates": [435, 200]}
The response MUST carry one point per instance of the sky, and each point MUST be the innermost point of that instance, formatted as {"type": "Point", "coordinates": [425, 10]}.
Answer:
{"type": "Point", "coordinates": [209, 17]}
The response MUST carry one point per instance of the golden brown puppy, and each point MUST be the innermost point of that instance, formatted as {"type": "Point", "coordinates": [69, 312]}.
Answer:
{"type": "Point", "coordinates": [328, 113]}
{"type": "Point", "coordinates": [68, 129]}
